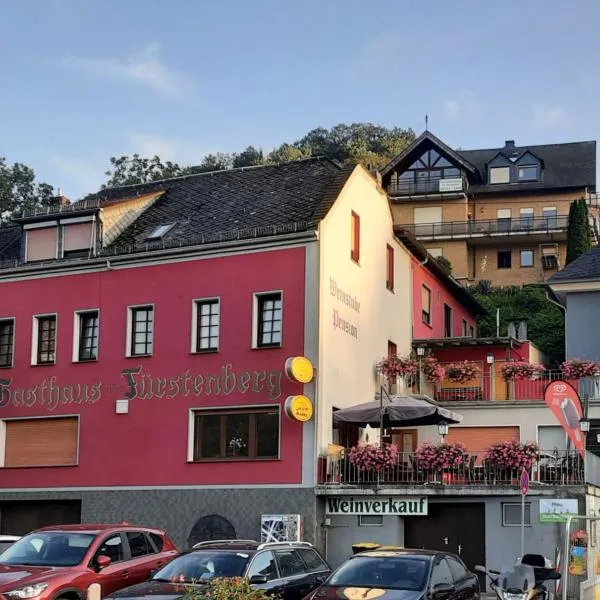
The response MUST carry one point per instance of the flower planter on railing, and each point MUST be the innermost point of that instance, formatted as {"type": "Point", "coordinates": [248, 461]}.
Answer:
{"type": "Point", "coordinates": [578, 368]}
{"type": "Point", "coordinates": [433, 372]}
{"type": "Point", "coordinates": [521, 370]}
{"type": "Point", "coordinates": [462, 372]}
{"type": "Point", "coordinates": [506, 460]}
{"type": "Point", "coordinates": [441, 459]}
{"type": "Point", "coordinates": [394, 366]}
{"type": "Point", "coordinates": [371, 460]}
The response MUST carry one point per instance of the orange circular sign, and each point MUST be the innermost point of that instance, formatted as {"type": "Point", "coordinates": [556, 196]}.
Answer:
{"type": "Point", "coordinates": [299, 408]}
{"type": "Point", "coordinates": [300, 369]}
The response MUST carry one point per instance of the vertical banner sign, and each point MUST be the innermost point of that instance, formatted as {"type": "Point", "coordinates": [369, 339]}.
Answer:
{"type": "Point", "coordinates": [565, 403]}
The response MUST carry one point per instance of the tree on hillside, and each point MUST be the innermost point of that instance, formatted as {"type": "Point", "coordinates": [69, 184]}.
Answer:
{"type": "Point", "coordinates": [128, 171]}
{"type": "Point", "coordinates": [579, 238]}
{"type": "Point", "coordinates": [20, 191]}
{"type": "Point", "coordinates": [248, 158]}
{"type": "Point", "coordinates": [366, 143]}
{"type": "Point", "coordinates": [545, 321]}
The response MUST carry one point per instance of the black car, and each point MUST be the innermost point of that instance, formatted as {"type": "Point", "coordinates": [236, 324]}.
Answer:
{"type": "Point", "coordinates": [400, 575]}
{"type": "Point", "coordinates": [290, 569]}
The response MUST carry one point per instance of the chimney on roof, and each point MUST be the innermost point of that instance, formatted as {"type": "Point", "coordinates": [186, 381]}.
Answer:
{"type": "Point", "coordinates": [509, 144]}
{"type": "Point", "coordinates": [60, 199]}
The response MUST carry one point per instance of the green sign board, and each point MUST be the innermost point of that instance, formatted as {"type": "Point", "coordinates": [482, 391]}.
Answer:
{"type": "Point", "coordinates": [558, 510]}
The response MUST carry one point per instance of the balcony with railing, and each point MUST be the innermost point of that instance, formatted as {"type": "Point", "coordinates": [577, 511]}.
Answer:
{"type": "Point", "coordinates": [491, 386]}
{"type": "Point", "coordinates": [428, 186]}
{"type": "Point", "coordinates": [489, 228]}
{"type": "Point", "coordinates": [550, 469]}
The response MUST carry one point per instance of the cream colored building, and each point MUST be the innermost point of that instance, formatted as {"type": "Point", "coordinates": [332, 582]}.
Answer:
{"type": "Point", "coordinates": [358, 314]}
{"type": "Point", "coordinates": [497, 214]}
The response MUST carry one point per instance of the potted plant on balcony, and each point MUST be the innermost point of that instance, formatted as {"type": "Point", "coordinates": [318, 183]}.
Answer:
{"type": "Point", "coordinates": [438, 458]}
{"type": "Point", "coordinates": [506, 459]}
{"type": "Point", "coordinates": [432, 370]}
{"type": "Point", "coordinates": [519, 369]}
{"type": "Point", "coordinates": [373, 457]}
{"type": "Point", "coordinates": [577, 368]}
{"type": "Point", "coordinates": [462, 372]}
{"type": "Point", "coordinates": [398, 366]}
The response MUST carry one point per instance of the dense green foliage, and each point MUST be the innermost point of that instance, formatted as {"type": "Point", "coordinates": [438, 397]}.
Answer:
{"type": "Point", "coordinates": [366, 143]}
{"type": "Point", "coordinates": [545, 321]}
{"type": "Point", "coordinates": [20, 191]}
{"type": "Point", "coordinates": [579, 239]}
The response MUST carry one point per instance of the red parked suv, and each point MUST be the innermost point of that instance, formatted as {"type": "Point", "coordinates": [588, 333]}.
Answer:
{"type": "Point", "coordinates": [61, 562]}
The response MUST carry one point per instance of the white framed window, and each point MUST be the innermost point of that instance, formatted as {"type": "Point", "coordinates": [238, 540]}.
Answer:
{"type": "Point", "coordinates": [499, 175]}
{"type": "Point", "coordinates": [43, 343]}
{"type": "Point", "coordinates": [7, 342]}
{"type": "Point", "coordinates": [206, 324]}
{"type": "Point", "coordinates": [511, 514]}
{"type": "Point", "coordinates": [435, 252]}
{"type": "Point", "coordinates": [267, 322]}
{"type": "Point", "coordinates": [86, 335]}
{"type": "Point", "coordinates": [140, 330]}
{"type": "Point", "coordinates": [370, 520]}
{"type": "Point", "coordinates": [528, 173]}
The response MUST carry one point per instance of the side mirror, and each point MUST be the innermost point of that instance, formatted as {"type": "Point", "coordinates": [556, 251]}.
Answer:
{"type": "Point", "coordinates": [443, 590]}
{"type": "Point", "coordinates": [103, 561]}
{"type": "Point", "coordinates": [258, 579]}
{"type": "Point", "coordinates": [480, 569]}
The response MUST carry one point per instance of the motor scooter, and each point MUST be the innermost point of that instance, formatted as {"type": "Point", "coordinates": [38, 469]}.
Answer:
{"type": "Point", "coordinates": [523, 580]}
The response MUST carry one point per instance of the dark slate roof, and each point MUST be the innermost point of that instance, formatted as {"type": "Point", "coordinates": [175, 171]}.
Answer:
{"type": "Point", "coordinates": [584, 268]}
{"type": "Point", "coordinates": [10, 242]}
{"type": "Point", "coordinates": [298, 193]}
{"type": "Point", "coordinates": [427, 136]}
{"type": "Point", "coordinates": [566, 166]}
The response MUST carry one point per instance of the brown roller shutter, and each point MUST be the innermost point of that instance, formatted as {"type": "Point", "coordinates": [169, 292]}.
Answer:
{"type": "Point", "coordinates": [477, 439]}
{"type": "Point", "coordinates": [41, 442]}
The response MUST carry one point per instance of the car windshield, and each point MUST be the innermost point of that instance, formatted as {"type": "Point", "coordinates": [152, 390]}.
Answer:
{"type": "Point", "coordinates": [202, 566]}
{"type": "Point", "coordinates": [48, 549]}
{"type": "Point", "coordinates": [389, 572]}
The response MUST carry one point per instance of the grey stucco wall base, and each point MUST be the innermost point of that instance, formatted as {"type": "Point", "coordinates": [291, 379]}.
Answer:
{"type": "Point", "coordinates": [176, 510]}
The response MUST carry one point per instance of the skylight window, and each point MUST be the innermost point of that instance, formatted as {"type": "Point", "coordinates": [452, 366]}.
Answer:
{"type": "Point", "coordinates": [160, 231]}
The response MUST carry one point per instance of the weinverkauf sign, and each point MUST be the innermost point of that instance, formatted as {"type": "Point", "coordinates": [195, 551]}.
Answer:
{"type": "Point", "coordinates": [384, 505]}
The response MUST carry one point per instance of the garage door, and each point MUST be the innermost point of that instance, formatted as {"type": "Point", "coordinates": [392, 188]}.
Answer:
{"type": "Point", "coordinates": [477, 439]}
{"type": "Point", "coordinates": [19, 518]}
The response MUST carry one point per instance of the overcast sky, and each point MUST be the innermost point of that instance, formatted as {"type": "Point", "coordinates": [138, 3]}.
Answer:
{"type": "Point", "coordinates": [82, 80]}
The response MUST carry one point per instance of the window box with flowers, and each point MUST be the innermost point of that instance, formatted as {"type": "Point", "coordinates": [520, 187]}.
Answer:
{"type": "Point", "coordinates": [435, 459]}
{"type": "Point", "coordinates": [371, 460]}
{"type": "Point", "coordinates": [518, 369]}
{"type": "Point", "coordinates": [505, 460]}
{"type": "Point", "coordinates": [577, 368]}
{"type": "Point", "coordinates": [398, 366]}
{"type": "Point", "coordinates": [433, 372]}
{"type": "Point", "coordinates": [462, 372]}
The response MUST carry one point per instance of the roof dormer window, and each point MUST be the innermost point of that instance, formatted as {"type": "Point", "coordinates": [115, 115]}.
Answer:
{"type": "Point", "coordinates": [160, 231]}
{"type": "Point", "coordinates": [528, 173]}
{"type": "Point", "coordinates": [499, 175]}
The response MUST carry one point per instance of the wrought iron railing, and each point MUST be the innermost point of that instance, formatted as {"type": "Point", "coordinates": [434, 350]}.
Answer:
{"type": "Point", "coordinates": [552, 468]}
{"type": "Point", "coordinates": [427, 185]}
{"type": "Point", "coordinates": [490, 227]}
